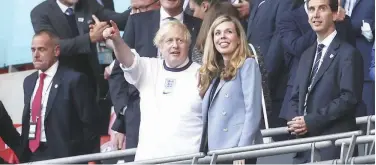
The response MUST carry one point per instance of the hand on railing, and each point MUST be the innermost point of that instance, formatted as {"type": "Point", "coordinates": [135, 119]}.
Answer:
{"type": "Point", "coordinates": [118, 140]}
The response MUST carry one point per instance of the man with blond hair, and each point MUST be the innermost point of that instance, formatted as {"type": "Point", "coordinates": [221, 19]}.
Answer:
{"type": "Point", "coordinates": [171, 117]}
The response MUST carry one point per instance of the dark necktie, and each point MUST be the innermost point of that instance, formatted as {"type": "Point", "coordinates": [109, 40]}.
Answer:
{"type": "Point", "coordinates": [36, 113]}
{"type": "Point", "coordinates": [316, 65]}
{"type": "Point", "coordinates": [69, 11]}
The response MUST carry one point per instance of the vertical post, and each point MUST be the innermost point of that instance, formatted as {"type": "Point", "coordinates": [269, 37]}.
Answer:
{"type": "Point", "coordinates": [352, 145]}
{"type": "Point", "coordinates": [315, 155]}
{"type": "Point", "coordinates": [194, 160]}
{"type": "Point", "coordinates": [371, 148]}
{"type": "Point", "coordinates": [367, 133]}
{"type": "Point", "coordinates": [344, 150]}
{"type": "Point", "coordinates": [214, 159]}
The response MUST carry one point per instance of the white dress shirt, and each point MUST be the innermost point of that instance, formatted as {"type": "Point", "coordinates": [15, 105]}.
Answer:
{"type": "Point", "coordinates": [349, 6]}
{"type": "Point", "coordinates": [50, 73]}
{"type": "Point", "coordinates": [63, 7]}
{"type": "Point", "coordinates": [327, 41]}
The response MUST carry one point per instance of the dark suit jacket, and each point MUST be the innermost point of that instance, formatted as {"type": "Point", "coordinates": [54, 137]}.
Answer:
{"type": "Point", "coordinates": [71, 115]}
{"type": "Point", "coordinates": [139, 34]}
{"type": "Point", "coordinates": [364, 10]}
{"type": "Point", "coordinates": [8, 133]}
{"type": "Point", "coordinates": [77, 52]}
{"type": "Point", "coordinates": [335, 93]}
{"type": "Point", "coordinates": [48, 16]}
{"type": "Point", "coordinates": [297, 35]}
{"type": "Point", "coordinates": [262, 33]}
{"type": "Point", "coordinates": [108, 4]}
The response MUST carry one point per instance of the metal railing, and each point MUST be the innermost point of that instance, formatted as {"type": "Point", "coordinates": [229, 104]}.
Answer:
{"type": "Point", "coordinates": [89, 157]}
{"type": "Point", "coordinates": [260, 147]}
{"type": "Point", "coordinates": [354, 160]}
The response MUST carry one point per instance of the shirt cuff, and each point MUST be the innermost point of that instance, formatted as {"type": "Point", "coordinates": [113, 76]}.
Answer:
{"type": "Point", "coordinates": [134, 64]}
{"type": "Point", "coordinates": [123, 111]}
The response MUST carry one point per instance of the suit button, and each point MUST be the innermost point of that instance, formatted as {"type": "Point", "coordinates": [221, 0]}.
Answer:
{"type": "Point", "coordinates": [225, 130]}
{"type": "Point", "coordinates": [226, 95]}
{"type": "Point", "coordinates": [224, 113]}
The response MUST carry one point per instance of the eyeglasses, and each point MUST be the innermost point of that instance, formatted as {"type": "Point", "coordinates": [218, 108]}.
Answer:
{"type": "Point", "coordinates": [143, 8]}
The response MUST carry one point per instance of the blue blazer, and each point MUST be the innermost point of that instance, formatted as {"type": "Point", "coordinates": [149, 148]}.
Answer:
{"type": "Point", "coordinates": [234, 116]}
{"type": "Point", "coordinates": [372, 67]}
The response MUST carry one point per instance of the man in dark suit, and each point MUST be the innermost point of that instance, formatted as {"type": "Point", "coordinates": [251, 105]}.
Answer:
{"type": "Point", "coordinates": [69, 20]}
{"type": "Point", "coordinates": [328, 86]}
{"type": "Point", "coordinates": [107, 4]}
{"type": "Point", "coordinates": [60, 112]}
{"type": "Point", "coordinates": [139, 33]}
{"type": "Point", "coordinates": [297, 35]}
{"type": "Point", "coordinates": [8, 133]}
{"type": "Point", "coordinates": [364, 11]}
{"type": "Point", "coordinates": [263, 34]}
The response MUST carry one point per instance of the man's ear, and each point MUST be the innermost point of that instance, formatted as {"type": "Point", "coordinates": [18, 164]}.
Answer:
{"type": "Point", "coordinates": [57, 50]}
{"type": "Point", "coordinates": [205, 5]}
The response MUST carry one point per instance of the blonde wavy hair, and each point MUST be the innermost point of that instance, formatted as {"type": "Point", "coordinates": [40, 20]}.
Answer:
{"type": "Point", "coordinates": [213, 64]}
{"type": "Point", "coordinates": [166, 29]}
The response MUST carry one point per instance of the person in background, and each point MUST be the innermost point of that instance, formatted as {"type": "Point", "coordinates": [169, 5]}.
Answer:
{"type": "Point", "coordinates": [372, 67]}
{"type": "Point", "coordinates": [230, 85]}
{"type": "Point", "coordinates": [213, 13]}
{"type": "Point", "coordinates": [60, 116]}
{"type": "Point", "coordinates": [328, 86]}
{"type": "Point", "coordinates": [362, 13]}
{"type": "Point", "coordinates": [297, 36]}
{"type": "Point", "coordinates": [8, 133]}
{"type": "Point", "coordinates": [200, 7]}
{"type": "Point", "coordinates": [171, 122]}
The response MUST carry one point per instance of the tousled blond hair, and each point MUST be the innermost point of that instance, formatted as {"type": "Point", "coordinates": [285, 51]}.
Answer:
{"type": "Point", "coordinates": [166, 28]}
{"type": "Point", "coordinates": [213, 64]}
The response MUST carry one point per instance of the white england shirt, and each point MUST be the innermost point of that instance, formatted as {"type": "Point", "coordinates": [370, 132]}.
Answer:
{"type": "Point", "coordinates": [171, 118]}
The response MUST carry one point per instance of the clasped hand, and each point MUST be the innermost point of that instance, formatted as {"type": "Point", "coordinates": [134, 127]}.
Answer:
{"type": "Point", "coordinates": [297, 126]}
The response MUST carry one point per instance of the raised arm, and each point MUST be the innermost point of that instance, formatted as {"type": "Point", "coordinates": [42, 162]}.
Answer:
{"type": "Point", "coordinates": [122, 51]}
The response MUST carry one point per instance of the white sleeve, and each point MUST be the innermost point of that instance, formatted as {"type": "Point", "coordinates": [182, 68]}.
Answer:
{"type": "Point", "coordinates": [134, 73]}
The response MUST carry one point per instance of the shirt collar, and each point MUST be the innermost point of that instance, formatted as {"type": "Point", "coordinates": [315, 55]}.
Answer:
{"type": "Point", "coordinates": [50, 72]}
{"type": "Point", "coordinates": [63, 7]}
{"type": "Point", "coordinates": [165, 15]}
{"type": "Point", "coordinates": [328, 39]}
{"type": "Point", "coordinates": [180, 68]}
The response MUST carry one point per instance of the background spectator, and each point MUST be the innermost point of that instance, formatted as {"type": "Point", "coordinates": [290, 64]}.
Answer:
{"type": "Point", "coordinates": [8, 133]}
{"type": "Point", "coordinates": [362, 15]}
{"type": "Point", "coordinates": [328, 86]}
{"type": "Point", "coordinates": [60, 115]}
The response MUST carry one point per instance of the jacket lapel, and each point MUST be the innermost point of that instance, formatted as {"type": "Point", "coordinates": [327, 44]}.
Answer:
{"type": "Point", "coordinates": [29, 89]}
{"type": "Point", "coordinates": [304, 80]}
{"type": "Point", "coordinates": [254, 9]}
{"type": "Point", "coordinates": [328, 58]}
{"type": "Point", "coordinates": [220, 85]}
{"type": "Point", "coordinates": [62, 22]}
{"type": "Point", "coordinates": [81, 17]}
{"type": "Point", "coordinates": [154, 25]}
{"type": "Point", "coordinates": [56, 81]}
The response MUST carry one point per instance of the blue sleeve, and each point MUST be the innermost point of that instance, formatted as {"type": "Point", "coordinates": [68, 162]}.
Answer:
{"type": "Point", "coordinates": [251, 85]}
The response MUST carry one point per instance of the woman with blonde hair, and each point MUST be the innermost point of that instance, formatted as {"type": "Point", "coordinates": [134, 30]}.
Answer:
{"type": "Point", "coordinates": [230, 85]}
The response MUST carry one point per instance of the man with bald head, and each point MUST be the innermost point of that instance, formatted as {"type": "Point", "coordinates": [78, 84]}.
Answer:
{"type": "Point", "coordinates": [60, 113]}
